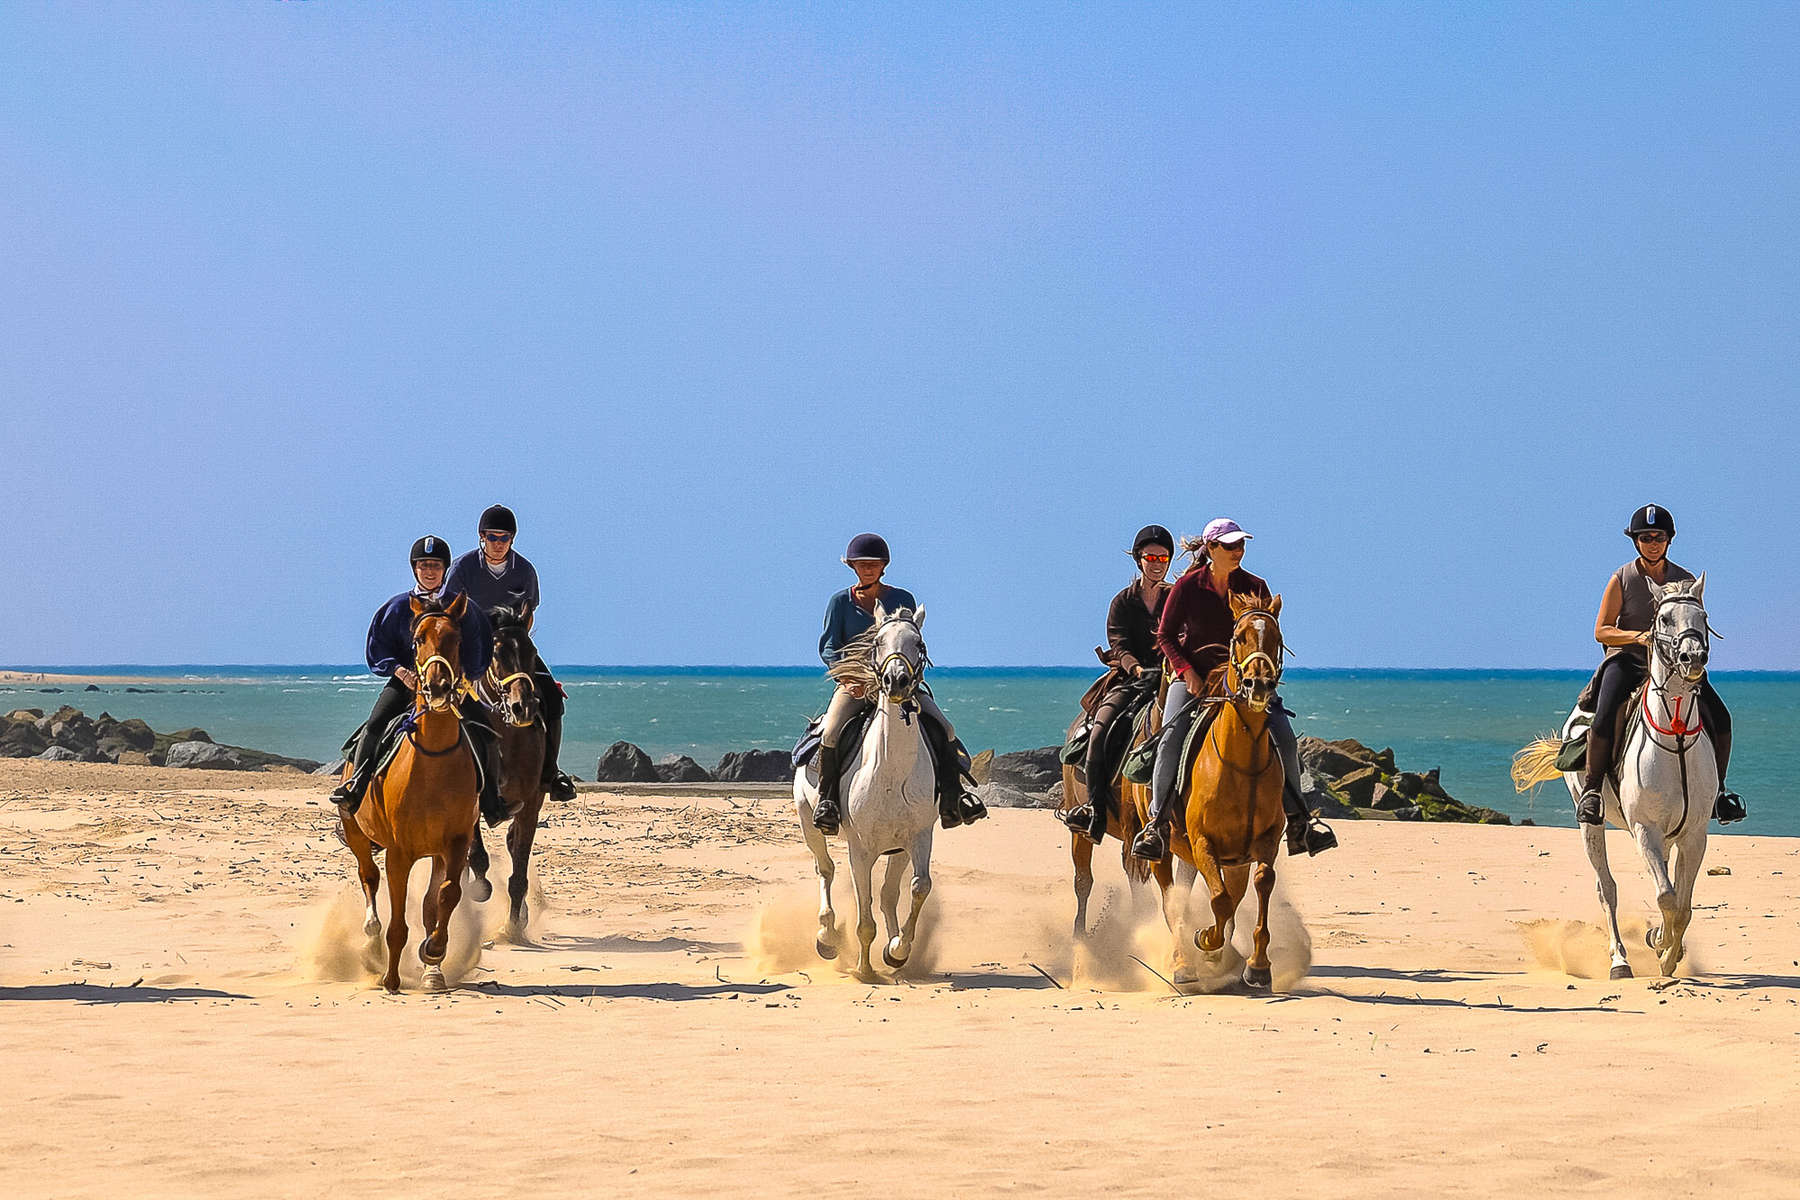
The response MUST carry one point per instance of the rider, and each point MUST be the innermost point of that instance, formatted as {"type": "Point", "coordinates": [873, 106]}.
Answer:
{"type": "Point", "coordinates": [852, 612]}
{"type": "Point", "coordinates": [1195, 635]}
{"type": "Point", "coordinates": [1131, 640]}
{"type": "Point", "coordinates": [494, 575]}
{"type": "Point", "coordinates": [390, 653]}
{"type": "Point", "coordinates": [1627, 613]}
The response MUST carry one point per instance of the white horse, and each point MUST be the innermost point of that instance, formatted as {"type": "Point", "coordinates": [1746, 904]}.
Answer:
{"type": "Point", "coordinates": [890, 791]}
{"type": "Point", "coordinates": [1666, 777]}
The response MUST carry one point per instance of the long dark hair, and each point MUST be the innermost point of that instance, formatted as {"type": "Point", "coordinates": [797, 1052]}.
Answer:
{"type": "Point", "coordinates": [1195, 549]}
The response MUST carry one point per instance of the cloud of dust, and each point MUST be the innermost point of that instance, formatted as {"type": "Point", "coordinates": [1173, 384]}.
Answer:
{"type": "Point", "coordinates": [1580, 948]}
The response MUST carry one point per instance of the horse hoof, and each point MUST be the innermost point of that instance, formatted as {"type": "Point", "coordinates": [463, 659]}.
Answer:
{"type": "Point", "coordinates": [888, 957]}
{"type": "Point", "coordinates": [372, 927]}
{"type": "Point", "coordinates": [1185, 978]}
{"type": "Point", "coordinates": [392, 986]}
{"type": "Point", "coordinates": [429, 955]}
{"type": "Point", "coordinates": [434, 980]}
{"type": "Point", "coordinates": [1258, 978]}
{"type": "Point", "coordinates": [516, 932]}
{"type": "Point", "coordinates": [1652, 936]}
{"type": "Point", "coordinates": [479, 889]}
{"type": "Point", "coordinates": [826, 950]}
{"type": "Point", "coordinates": [1621, 971]}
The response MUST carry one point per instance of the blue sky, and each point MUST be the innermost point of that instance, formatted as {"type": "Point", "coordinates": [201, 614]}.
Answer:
{"type": "Point", "coordinates": [1428, 298]}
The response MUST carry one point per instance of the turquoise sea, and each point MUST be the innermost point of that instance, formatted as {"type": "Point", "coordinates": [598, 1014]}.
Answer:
{"type": "Point", "coordinates": [1468, 723]}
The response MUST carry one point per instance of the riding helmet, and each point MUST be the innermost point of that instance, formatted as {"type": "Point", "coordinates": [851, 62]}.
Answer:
{"type": "Point", "coordinates": [1648, 518]}
{"type": "Point", "coordinates": [867, 545]}
{"type": "Point", "coordinates": [1152, 535]}
{"type": "Point", "coordinates": [428, 549]}
{"type": "Point", "coordinates": [497, 518]}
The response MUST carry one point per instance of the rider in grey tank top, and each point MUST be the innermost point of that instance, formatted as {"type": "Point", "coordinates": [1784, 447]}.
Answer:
{"type": "Point", "coordinates": [1637, 610]}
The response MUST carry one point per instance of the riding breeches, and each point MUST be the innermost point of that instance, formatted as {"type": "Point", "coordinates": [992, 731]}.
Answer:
{"type": "Point", "coordinates": [844, 706]}
{"type": "Point", "coordinates": [1620, 676]}
{"type": "Point", "coordinates": [550, 700]}
{"type": "Point", "coordinates": [1101, 763]}
{"type": "Point", "coordinates": [390, 702]}
{"type": "Point", "coordinates": [1181, 707]}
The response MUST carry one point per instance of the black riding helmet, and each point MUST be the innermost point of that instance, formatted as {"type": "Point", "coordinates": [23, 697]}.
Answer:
{"type": "Point", "coordinates": [867, 545]}
{"type": "Point", "coordinates": [431, 549]}
{"type": "Point", "coordinates": [1152, 535]}
{"type": "Point", "coordinates": [1649, 518]}
{"type": "Point", "coordinates": [499, 519]}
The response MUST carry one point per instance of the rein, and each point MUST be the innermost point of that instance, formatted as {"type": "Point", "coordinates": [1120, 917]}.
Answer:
{"type": "Point", "coordinates": [1685, 730]}
{"type": "Point", "coordinates": [1240, 666]}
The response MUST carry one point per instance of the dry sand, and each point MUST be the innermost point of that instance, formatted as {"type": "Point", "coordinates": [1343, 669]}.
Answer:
{"type": "Point", "coordinates": [187, 1009]}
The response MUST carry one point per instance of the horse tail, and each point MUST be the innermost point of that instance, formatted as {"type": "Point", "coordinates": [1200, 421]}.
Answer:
{"type": "Point", "coordinates": [1536, 763]}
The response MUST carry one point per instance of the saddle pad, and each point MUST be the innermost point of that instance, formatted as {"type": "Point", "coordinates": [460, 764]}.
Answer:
{"type": "Point", "coordinates": [807, 748]}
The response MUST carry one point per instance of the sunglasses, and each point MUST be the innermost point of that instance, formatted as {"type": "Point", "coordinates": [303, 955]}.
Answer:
{"type": "Point", "coordinates": [496, 537]}
{"type": "Point", "coordinates": [1655, 539]}
{"type": "Point", "coordinates": [1229, 547]}
{"type": "Point", "coordinates": [1156, 560]}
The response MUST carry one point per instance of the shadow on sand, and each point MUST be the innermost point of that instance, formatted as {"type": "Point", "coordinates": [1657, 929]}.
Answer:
{"type": "Point", "coordinates": [95, 993]}
{"type": "Point", "coordinates": [627, 991]}
{"type": "Point", "coordinates": [621, 944]}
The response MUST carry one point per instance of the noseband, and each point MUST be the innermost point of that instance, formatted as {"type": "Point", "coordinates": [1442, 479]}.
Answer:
{"type": "Point", "coordinates": [1240, 666]}
{"type": "Point", "coordinates": [420, 666]}
{"type": "Point", "coordinates": [915, 672]}
{"type": "Point", "coordinates": [1669, 648]}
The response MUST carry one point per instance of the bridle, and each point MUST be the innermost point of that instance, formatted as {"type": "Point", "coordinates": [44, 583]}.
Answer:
{"type": "Point", "coordinates": [1240, 666]}
{"type": "Point", "coordinates": [1668, 647]}
{"type": "Point", "coordinates": [915, 671]}
{"type": "Point", "coordinates": [433, 701]}
{"type": "Point", "coordinates": [1685, 730]}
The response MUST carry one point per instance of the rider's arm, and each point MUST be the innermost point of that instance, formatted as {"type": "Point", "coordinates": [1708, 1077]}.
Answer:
{"type": "Point", "coordinates": [1118, 632]}
{"type": "Point", "coordinates": [379, 651]}
{"type": "Point", "coordinates": [1607, 633]}
{"type": "Point", "coordinates": [477, 642]}
{"type": "Point", "coordinates": [831, 641]}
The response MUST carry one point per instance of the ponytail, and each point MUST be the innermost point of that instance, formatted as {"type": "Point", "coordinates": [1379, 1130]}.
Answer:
{"type": "Point", "coordinates": [1195, 549]}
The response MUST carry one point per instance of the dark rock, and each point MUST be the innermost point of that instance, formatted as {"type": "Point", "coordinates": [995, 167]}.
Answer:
{"type": "Point", "coordinates": [755, 766]}
{"type": "Point", "coordinates": [48, 691]}
{"type": "Point", "coordinates": [116, 737]}
{"type": "Point", "coordinates": [91, 688]}
{"type": "Point", "coordinates": [22, 739]}
{"type": "Point", "coordinates": [1407, 812]}
{"type": "Point", "coordinates": [998, 795]}
{"type": "Point", "coordinates": [1333, 759]}
{"type": "Point", "coordinates": [679, 768]}
{"type": "Point", "coordinates": [141, 691]}
{"type": "Point", "coordinates": [188, 735]}
{"type": "Point", "coordinates": [1409, 784]}
{"type": "Point", "coordinates": [330, 768]}
{"type": "Point", "coordinates": [1028, 770]}
{"type": "Point", "coordinates": [206, 755]}
{"type": "Point", "coordinates": [982, 766]}
{"type": "Point", "coordinates": [24, 714]}
{"type": "Point", "coordinates": [61, 754]}
{"type": "Point", "coordinates": [1054, 794]}
{"type": "Point", "coordinates": [625, 763]}
{"type": "Point", "coordinates": [1358, 787]}
{"type": "Point", "coordinates": [1385, 797]}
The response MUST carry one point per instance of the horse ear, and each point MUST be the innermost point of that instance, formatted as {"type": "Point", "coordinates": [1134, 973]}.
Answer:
{"type": "Point", "coordinates": [1699, 589]}
{"type": "Point", "coordinates": [880, 613]}
{"type": "Point", "coordinates": [455, 609]}
{"type": "Point", "coordinates": [1238, 603]}
{"type": "Point", "coordinates": [1275, 605]}
{"type": "Point", "coordinates": [1657, 591]}
{"type": "Point", "coordinates": [919, 616]}
{"type": "Point", "coordinates": [418, 606]}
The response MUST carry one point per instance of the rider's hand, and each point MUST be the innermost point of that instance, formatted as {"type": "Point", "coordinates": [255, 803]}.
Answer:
{"type": "Point", "coordinates": [1192, 679]}
{"type": "Point", "coordinates": [405, 675]}
{"type": "Point", "coordinates": [1643, 639]}
{"type": "Point", "coordinates": [856, 692]}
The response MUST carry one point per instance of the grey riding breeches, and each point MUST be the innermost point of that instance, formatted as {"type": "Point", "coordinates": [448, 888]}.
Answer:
{"type": "Point", "coordinates": [844, 706]}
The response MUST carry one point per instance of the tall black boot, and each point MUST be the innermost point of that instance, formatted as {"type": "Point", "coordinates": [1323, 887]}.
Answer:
{"type": "Point", "coordinates": [1152, 844]}
{"type": "Point", "coordinates": [348, 795]}
{"type": "Point", "coordinates": [827, 816]}
{"type": "Point", "coordinates": [560, 786]}
{"type": "Point", "coordinates": [1089, 819]}
{"type": "Point", "coordinates": [493, 805]}
{"type": "Point", "coordinates": [1590, 808]}
{"type": "Point", "coordinates": [1306, 834]}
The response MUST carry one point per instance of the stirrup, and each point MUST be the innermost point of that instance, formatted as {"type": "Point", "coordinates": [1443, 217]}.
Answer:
{"type": "Point", "coordinates": [1590, 809]}
{"type": "Point", "coordinates": [1309, 837]}
{"type": "Point", "coordinates": [950, 814]}
{"type": "Point", "coordinates": [1150, 845]}
{"type": "Point", "coordinates": [973, 809]}
{"type": "Point", "coordinates": [1728, 808]}
{"type": "Point", "coordinates": [826, 818]}
{"type": "Point", "coordinates": [561, 787]}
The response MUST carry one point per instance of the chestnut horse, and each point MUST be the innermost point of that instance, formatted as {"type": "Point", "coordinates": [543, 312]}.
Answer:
{"type": "Point", "coordinates": [423, 803]}
{"type": "Point", "coordinates": [1231, 813]}
{"type": "Point", "coordinates": [509, 691]}
{"type": "Point", "coordinates": [1130, 800]}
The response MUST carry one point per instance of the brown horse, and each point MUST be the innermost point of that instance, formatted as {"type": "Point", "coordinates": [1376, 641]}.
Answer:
{"type": "Point", "coordinates": [509, 691]}
{"type": "Point", "coordinates": [1131, 801]}
{"type": "Point", "coordinates": [423, 804]}
{"type": "Point", "coordinates": [1232, 818]}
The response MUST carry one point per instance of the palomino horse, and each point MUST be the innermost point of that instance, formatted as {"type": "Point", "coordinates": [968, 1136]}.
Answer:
{"type": "Point", "coordinates": [509, 692]}
{"type": "Point", "coordinates": [890, 791]}
{"type": "Point", "coordinates": [1232, 818]}
{"type": "Point", "coordinates": [422, 804]}
{"type": "Point", "coordinates": [1662, 787]}
{"type": "Point", "coordinates": [1123, 822]}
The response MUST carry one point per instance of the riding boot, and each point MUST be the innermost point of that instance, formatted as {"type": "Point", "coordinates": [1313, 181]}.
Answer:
{"type": "Point", "coordinates": [348, 795]}
{"type": "Point", "coordinates": [1152, 844]}
{"type": "Point", "coordinates": [559, 785]}
{"type": "Point", "coordinates": [1089, 819]}
{"type": "Point", "coordinates": [1727, 805]}
{"type": "Point", "coordinates": [1306, 834]}
{"type": "Point", "coordinates": [826, 815]}
{"type": "Point", "coordinates": [493, 805]}
{"type": "Point", "coordinates": [1590, 809]}
{"type": "Point", "coordinates": [968, 803]}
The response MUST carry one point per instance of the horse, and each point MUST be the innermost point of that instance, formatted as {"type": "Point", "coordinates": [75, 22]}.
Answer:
{"type": "Point", "coordinates": [890, 791]}
{"type": "Point", "coordinates": [1123, 822]}
{"type": "Point", "coordinates": [509, 691]}
{"type": "Point", "coordinates": [422, 804]}
{"type": "Point", "coordinates": [1663, 784]}
{"type": "Point", "coordinates": [1232, 818]}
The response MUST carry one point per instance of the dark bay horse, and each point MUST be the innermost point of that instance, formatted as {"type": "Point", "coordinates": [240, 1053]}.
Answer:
{"type": "Point", "coordinates": [423, 803]}
{"type": "Point", "coordinates": [1231, 817]}
{"type": "Point", "coordinates": [509, 692]}
{"type": "Point", "coordinates": [1131, 801]}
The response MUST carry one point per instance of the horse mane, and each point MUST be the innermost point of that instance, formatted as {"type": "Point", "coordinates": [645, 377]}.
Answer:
{"type": "Point", "coordinates": [855, 665]}
{"type": "Point", "coordinates": [1250, 602]}
{"type": "Point", "coordinates": [504, 617]}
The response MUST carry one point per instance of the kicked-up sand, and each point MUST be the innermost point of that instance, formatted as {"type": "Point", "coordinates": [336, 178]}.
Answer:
{"type": "Point", "coordinates": [188, 1008]}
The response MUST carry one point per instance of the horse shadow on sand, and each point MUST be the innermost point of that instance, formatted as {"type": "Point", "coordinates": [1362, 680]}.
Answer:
{"type": "Point", "coordinates": [619, 943]}
{"type": "Point", "coordinates": [98, 993]}
{"type": "Point", "coordinates": [625, 991]}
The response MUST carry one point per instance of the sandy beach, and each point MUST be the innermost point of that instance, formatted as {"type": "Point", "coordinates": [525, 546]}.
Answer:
{"type": "Point", "coordinates": [190, 1011]}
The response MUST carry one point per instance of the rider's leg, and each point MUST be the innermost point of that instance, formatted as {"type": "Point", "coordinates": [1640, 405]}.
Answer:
{"type": "Point", "coordinates": [1727, 807]}
{"type": "Point", "coordinates": [1179, 708]}
{"type": "Point", "coordinates": [550, 699]}
{"type": "Point", "coordinates": [1618, 676]}
{"type": "Point", "coordinates": [827, 815]}
{"type": "Point", "coordinates": [493, 804]}
{"type": "Point", "coordinates": [390, 702]}
{"type": "Point", "coordinates": [955, 806]}
{"type": "Point", "coordinates": [1089, 819]}
{"type": "Point", "coordinates": [1306, 834]}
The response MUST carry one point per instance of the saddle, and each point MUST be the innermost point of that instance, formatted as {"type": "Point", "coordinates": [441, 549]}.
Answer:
{"type": "Point", "coordinates": [396, 732]}
{"type": "Point", "coordinates": [807, 748]}
{"type": "Point", "coordinates": [1573, 755]}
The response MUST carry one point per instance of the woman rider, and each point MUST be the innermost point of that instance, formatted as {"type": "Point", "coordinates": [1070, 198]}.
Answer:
{"type": "Point", "coordinates": [494, 575]}
{"type": "Point", "coordinates": [1195, 636]}
{"type": "Point", "coordinates": [1627, 612]}
{"type": "Point", "coordinates": [852, 612]}
{"type": "Point", "coordinates": [390, 653]}
{"type": "Point", "coordinates": [1131, 640]}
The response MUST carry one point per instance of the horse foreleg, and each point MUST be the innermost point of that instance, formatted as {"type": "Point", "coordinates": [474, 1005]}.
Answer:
{"type": "Point", "coordinates": [1081, 854]}
{"type": "Point", "coordinates": [367, 873]}
{"type": "Point", "coordinates": [1256, 972]}
{"type": "Point", "coordinates": [1212, 941]}
{"type": "Point", "coordinates": [519, 839]}
{"type": "Point", "coordinates": [479, 887]}
{"type": "Point", "coordinates": [899, 949]}
{"type": "Point", "coordinates": [446, 878]}
{"type": "Point", "coordinates": [1685, 858]}
{"type": "Point", "coordinates": [862, 878]}
{"type": "Point", "coordinates": [1655, 852]}
{"type": "Point", "coordinates": [1176, 899]}
{"type": "Point", "coordinates": [1593, 838]}
{"type": "Point", "coordinates": [398, 868]}
{"type": "Point", "coordinates": [825, 940]}
{"type": "Point", "coordinates": [893, 875]}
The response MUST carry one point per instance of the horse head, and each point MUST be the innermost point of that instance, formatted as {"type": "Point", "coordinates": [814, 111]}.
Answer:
{"type": "Point", "coordinates": [899, 651]}
{"type": "Point", "coordinates": [509, 685]}
{"type": "Point", "coordinates": [437, 649]}
{"type": "Point", "coordinates": [1679, 639]}
{"type": "Point", "coordinates": [1254, 668]}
